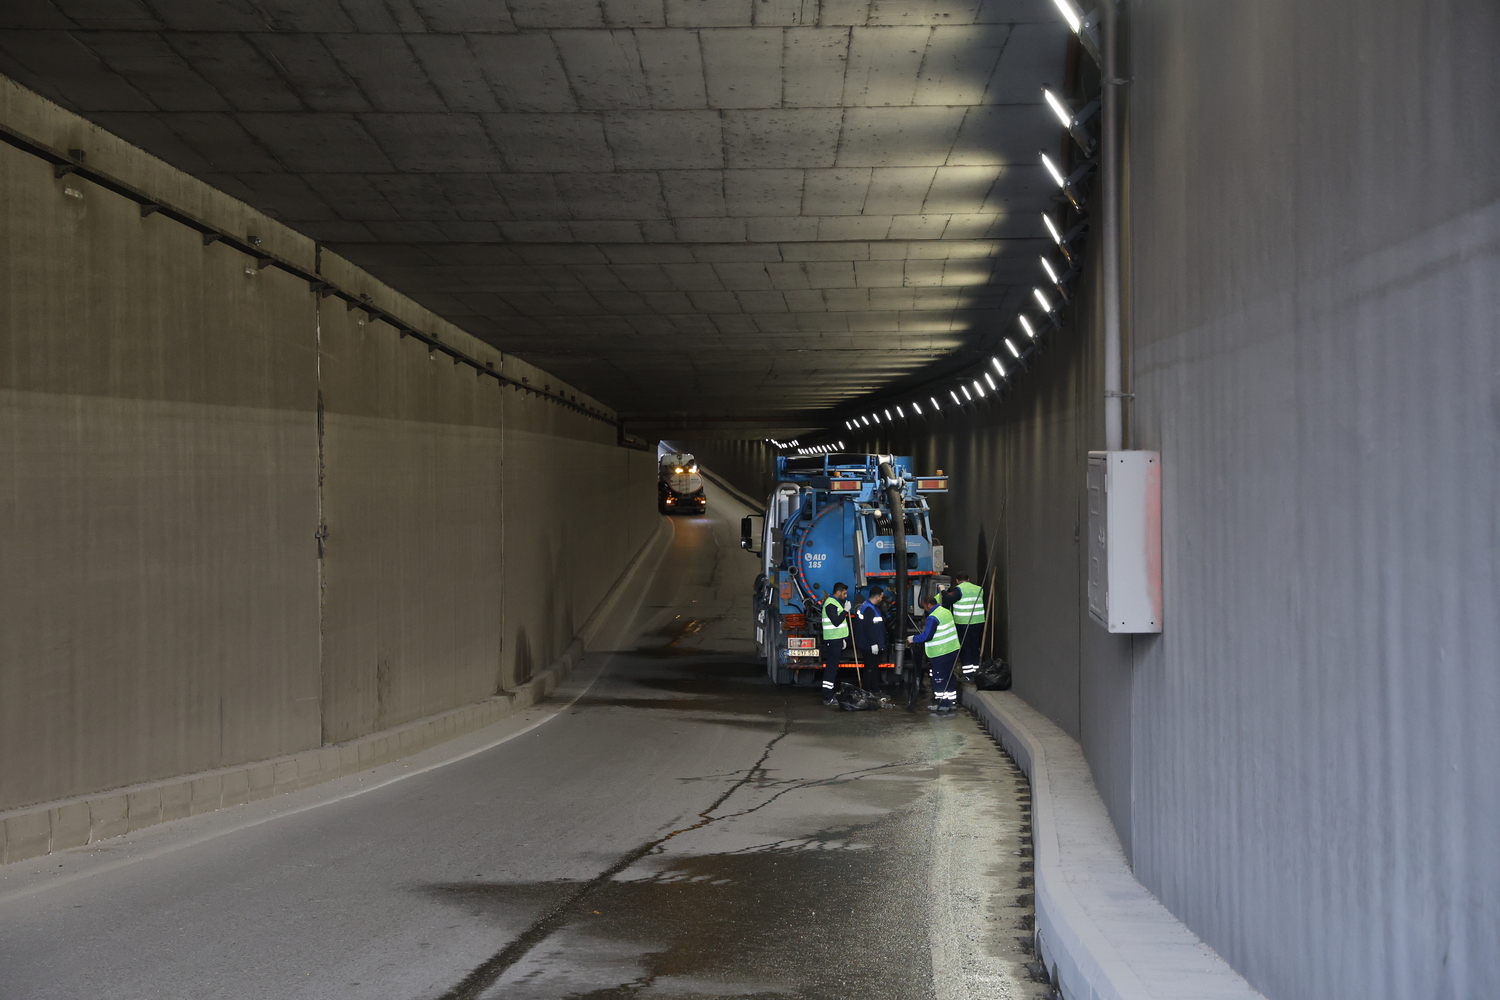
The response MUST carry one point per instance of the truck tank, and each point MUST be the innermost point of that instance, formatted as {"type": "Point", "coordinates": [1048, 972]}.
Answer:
{"type": "Point", "coordinates": [830, 520]}
{"type": "Point", "coordinates": [679, 485]}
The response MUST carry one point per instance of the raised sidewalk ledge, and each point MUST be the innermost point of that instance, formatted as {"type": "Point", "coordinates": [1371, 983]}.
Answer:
{"type": "Point", "coordinates": [730, 488]}
{"type": "Point", "coordinates": [1102, 934]}
{"type": "Point", "coordinates": [32, 831]}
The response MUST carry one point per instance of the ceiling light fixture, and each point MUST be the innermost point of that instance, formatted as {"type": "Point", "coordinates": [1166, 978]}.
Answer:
{"type": "Point", "coordinates": [1062, 111]}
{"type": "Point", "coordinates": [990, 379]}
{"type": "Point", "coordinates": [1012, 347]}
{"type": "Point", "coordinates": [966, 393]}
{"type": "Point", "coordinates": [1052, 228]}
{"type": "Point", "coordinates": [1042, 300]}
{"type": "Point", "coordinates": [1050, 273]}
{"type": "Point", "coordinates": [1070, 14]}
{"type": "Point", "coordinates": [1057, 176]}
{"type": "Point", "coordinates": [1026, 325]}
{"type": "Point", "coordinates": [998, 366]}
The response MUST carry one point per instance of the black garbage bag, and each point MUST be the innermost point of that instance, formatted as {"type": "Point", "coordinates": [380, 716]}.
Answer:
{"type": "Point", "coordinates": [853, 698]}
{"type": "Point", "coordinates": [993, 675]}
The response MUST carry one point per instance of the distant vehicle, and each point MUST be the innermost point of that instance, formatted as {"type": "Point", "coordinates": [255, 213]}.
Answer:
{"type": "Point", "coordinates": [840, 518]}
{"type": "Point", "coordinates": [679, 487]}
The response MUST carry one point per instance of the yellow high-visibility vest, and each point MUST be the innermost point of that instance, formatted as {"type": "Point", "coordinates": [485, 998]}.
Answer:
{"type": "Point", "coordinates": [945, 636]}
{"type": "Point", "coordinates": [969, 608]}
{"type": "Point", "coordinates": [830, 630]}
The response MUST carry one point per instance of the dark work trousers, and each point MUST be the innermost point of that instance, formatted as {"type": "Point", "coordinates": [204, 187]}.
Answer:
{"type": "Point", "coordinates": [869, 668]}
{"type": "Point", "coordinates": [968, 656]}
{"type": "Point", "coordinates": [944, 684]}
{"type": "Point", "coordinates": [833, 658]}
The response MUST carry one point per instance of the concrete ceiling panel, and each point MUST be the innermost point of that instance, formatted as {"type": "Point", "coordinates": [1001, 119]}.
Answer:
{"type": "Point", "coordinates": [899, 137]}
{"type": "Point", "coordinates": [814, 62]}
{"type": "Point", "coordinates": [557, 13]}
{"type": "Point", "coordinates": [930, 12]}
{"type": "Point", "coordinates": [454, 72]}
{"type": "Point", "coordinates": [225, 142]}
{"type": "Point", "coordinates": [634, 13]}
{"type": "Point", "coordinates": [690, 193]}
{"type": "Point", "coordinates": [1011, 133]}
{"type": "Point", "coordinates": [661, 140]}
{"type": "Point", "coordinates": [842, 12]}
{"type": "Point", "coordinates": [454, 143]}
{"type": "Point", "coordinates": [604, 68]}
{"type": "Point", "coordinates": [156, 70]}
{"type": "Point", "coordinates": [1030, 62]}
{"type": "Point", "coordinates": [802, 137]}
{"type": "Point", "coordinates": [763, 192]}
{"type": "Point", "coordinates": [129, 15]}
{"type": "Point", "coordinates": [918, 227]}
{"type": "Point", "coordinates": [710, 13]}
{"type": "Point", "coordinates": [542, 143]}
{"type": "Point", "coordinates": [385, 71]}
{"type": "Point", "coordinates": [883, 66]}
{"type": "Point", "coordinates": [835, 192]}
{"type": "Point", "coordinates": [525, 70]}
{"type": "Point", "coordinates": [595, 196]}
{"type": "Point", "coordinates": [237, 70]}
{"type": "Point", "coordinates": [742, 67]}
{"type": "Point", "coordinates": [459, 15]}
{"type": "Point", "coordinates": [960, 63]}
{"type": "Point", "coordinates": [739, 186]}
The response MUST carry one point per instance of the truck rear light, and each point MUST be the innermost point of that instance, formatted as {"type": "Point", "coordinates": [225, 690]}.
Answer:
{"type": "Point", "coordinates": [801, 642]}
{"type": "Point", "coordinates": [844, 484]}
{"type": "Point", "coordinates": [932, 485]}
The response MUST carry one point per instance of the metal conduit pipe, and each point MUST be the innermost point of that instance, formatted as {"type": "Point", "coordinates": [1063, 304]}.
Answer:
{"type": "Point", "coordinates": [1109, 176]}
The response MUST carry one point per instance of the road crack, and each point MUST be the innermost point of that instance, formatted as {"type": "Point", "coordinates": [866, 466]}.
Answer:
{"type": "Point", "coordinates": [487, 973]}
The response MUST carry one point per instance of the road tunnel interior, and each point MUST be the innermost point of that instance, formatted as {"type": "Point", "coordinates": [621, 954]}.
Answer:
{"type": "Point", "coordinates": [339, 337]}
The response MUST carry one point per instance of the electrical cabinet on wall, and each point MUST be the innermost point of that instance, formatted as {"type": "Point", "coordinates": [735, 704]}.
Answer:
{"type": "Point", "coordinates": [1124, 489]}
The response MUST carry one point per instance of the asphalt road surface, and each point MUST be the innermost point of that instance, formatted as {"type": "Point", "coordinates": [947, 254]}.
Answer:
{"type": "Point", "coordinates": [668, 824]}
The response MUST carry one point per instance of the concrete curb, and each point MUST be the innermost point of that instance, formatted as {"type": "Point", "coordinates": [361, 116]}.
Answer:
{"type": "Point", "coordinates": [33, 831]}
{"type": "Point", "coordinates": [1102, 935]}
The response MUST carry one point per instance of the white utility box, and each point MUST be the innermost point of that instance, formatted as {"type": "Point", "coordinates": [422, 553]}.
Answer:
{"type": "Point", "coordinates": [1125, 540]}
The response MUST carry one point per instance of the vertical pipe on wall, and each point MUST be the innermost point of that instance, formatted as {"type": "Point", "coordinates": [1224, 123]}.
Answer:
{"type": "Point", "coordinates": [1109, 173]}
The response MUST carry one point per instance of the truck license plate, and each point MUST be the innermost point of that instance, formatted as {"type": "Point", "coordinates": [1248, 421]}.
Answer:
{"type": "Point", "coordinates": [803, 652]}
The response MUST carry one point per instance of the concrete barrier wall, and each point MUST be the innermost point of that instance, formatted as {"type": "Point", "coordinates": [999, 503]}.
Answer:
{"type": "Point", "coordinates": [179, 425]}
{"type": "Point", "coordinates": [1304, 765]}
{"type": "Point", "coordinates": [749, 466]}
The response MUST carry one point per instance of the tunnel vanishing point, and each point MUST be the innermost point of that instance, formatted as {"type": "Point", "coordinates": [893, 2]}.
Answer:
{"type": "Point", "coordinates": [338, 340]}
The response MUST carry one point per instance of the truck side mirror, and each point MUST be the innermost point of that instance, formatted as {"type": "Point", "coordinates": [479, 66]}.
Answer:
{"type": "Point", "coordinates": [751, 528]}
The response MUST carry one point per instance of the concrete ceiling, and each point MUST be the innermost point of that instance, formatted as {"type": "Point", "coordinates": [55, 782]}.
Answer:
{"type": "Point", "coordinates": [731, 213]}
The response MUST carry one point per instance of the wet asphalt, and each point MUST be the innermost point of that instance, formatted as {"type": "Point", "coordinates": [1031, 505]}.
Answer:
{"type": "Point", "coordinates": [669, 824]}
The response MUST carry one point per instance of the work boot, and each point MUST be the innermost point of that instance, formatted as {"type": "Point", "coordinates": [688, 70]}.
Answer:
{"type": "Point", "coordinates": [934, 707]}
{"type": "Point", "coordinates": [830, 702]}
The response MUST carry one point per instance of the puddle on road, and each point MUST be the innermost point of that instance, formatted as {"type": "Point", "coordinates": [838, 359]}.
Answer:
{"type": "Point", "coordinates": [677, 630]}
{"type": "Point", "coordinates": [846, 911]}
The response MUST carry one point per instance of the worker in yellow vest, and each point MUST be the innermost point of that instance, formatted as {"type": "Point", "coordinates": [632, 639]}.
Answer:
{"type": "Point", "coordinates": [967, 600]}
{"type": "Point", "coordinates": [833, 615]}
{"type": "Point", "coordinates": [939, 637]}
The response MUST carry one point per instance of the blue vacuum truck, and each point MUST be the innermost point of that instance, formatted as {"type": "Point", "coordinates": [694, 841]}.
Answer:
{"type": "Point", "coordinates": [855, 519]}
{"type": "Point", "coordinates": [679, 487]}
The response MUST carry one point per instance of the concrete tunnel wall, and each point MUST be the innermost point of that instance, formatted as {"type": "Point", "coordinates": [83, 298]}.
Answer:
{"type": "Point", "coordinates": [1305, 765]}
{"type": "Point", "coordinates": [177, 422]}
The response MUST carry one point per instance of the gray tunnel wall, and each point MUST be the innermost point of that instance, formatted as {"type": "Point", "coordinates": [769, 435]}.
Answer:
{"type": "Point", "coordinates": [1305, 765]}
{"type": "Point", "coordinates": [175, 424]}
{"type": "Point", "coordinates": [747, 465]}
